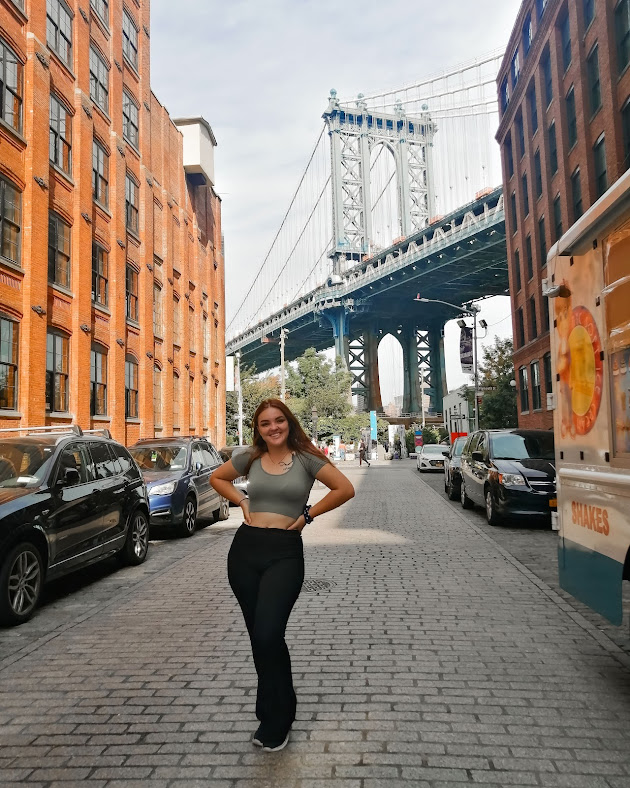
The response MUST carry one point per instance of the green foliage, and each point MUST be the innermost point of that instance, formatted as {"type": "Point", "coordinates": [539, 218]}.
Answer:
{"type": "Point", "coordinates": [255, 390]}
{"type": "Point", "coordinates": [498, 405]}
{"type": "Point", "coordinates": [315, 382]}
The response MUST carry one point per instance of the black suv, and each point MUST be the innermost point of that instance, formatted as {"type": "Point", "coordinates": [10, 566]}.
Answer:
{"type": "Point", "coordinates": [510, 472]}
{"type": "Point", "coordinates": [67, 499]}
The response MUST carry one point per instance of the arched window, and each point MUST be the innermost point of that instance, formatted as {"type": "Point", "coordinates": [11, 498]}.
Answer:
{"type": "Point", "coordinates": [98, 380]}
{"type": "Point", "coordinates": [57, 368]}
{"type": "Point", "coordinates": [157, 395]}
{"type": "Point", "coordinates": [9, 336]}
{"type": "Point", "coordinates": [176, 396]}
{"type": "Point", "coordinates": [131, 387]}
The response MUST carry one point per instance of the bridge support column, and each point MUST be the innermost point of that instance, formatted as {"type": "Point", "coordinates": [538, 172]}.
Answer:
{"type": "Point", "coordinates": [411, 396]}
{"type": "Point", "coordinates": [371, 340]}
{"type": "Point", "coordinates": [423, 356]}
{"type": "Point", "coordinates": [339, 320]}
{"type": "Point", "coordinates": [438, 367]}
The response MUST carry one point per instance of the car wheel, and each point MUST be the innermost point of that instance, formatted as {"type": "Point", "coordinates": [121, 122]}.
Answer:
{"type": "Point", "coordinates": [465, 500]}
{"type": "Point", "coordinates": [491, 513]}
{"type": "Point", "coordinates": [137, 543]}
{"type": "Point", "coordinates": [189, 518]}
{"type": "Point", "coordinates": [452, 491]}
{"type": "Point", "coordinates": [21, 580]}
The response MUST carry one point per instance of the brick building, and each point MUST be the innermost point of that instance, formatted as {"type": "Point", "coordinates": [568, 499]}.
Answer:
{"type": "Point", "coordinates": [564, 101]}
{"type": "Point", "coordinates": [111, 266]}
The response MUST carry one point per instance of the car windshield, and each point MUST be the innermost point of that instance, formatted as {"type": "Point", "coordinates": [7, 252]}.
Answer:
{"type": "Point", "coordinates": [523, 446]}
{"type": "Point", "coordinates": [24, 464]}
{"type": "Point", "coordinates": [160, 458]}
{"type": "Point", "coordinates": [458, 446]}
{"type": "Point", "coordinates": [434, 449]}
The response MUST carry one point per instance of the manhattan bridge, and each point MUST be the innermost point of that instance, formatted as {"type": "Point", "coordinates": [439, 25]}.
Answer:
{"type": "Point", "coordinates": [401, 195]}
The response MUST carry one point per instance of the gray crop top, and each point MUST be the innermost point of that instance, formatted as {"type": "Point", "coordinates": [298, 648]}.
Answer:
{"type": "Point", "coordinates": [285, 493]}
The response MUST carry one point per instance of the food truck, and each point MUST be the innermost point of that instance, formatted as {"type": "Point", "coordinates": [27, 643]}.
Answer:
{"type": "Point", "coordinates": [588, 287]}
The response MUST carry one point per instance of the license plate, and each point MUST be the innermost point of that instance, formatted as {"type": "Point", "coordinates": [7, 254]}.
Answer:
{"type": "Point", "coordinates": [553, 502]}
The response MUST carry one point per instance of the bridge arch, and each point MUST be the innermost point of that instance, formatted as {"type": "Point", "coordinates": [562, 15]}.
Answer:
{"type": "Point", "coordinates": [385, 210]}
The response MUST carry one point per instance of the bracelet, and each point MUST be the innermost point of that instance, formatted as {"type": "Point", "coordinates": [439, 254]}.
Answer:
{"type": "Point", "coordinates": [245, 497]}
{"type": "Point", "coordinates": [306, 513]}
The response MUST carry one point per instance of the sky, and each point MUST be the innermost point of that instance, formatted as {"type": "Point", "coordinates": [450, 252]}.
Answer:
{"type": "Point", "coordinates": [260, 72]}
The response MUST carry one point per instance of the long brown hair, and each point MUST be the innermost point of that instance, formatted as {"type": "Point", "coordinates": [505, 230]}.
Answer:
{"type": "Point", "coordinates": [298, 441]}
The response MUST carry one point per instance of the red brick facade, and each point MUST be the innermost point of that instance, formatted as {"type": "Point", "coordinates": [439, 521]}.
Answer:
{"type": "Point", "coordinates": [568, 39]}
{"type": "Point", "coordinates": [173, 257]}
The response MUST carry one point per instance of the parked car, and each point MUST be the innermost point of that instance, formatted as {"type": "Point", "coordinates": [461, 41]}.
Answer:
{"type": "Point", "coordinates": [430, 457]}
{"type": "Point", "coordinates": [452, 468]}
{"type": "Point", "coordinates": [67, 499]}
{"type": "Point", "coordinates": [177, 474]}
{"type": "Point", "coordinates": [242, 482]}
{"type": "Point", "coordinates": [510, 472]}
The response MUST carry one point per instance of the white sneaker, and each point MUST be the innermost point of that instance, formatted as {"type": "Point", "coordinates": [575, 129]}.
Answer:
{"type": "Point", "coordinates": [276, 747]}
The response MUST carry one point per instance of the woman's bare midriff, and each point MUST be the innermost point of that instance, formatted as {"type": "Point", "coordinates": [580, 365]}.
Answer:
{"type": "Point", "coordinates": [271, 520]}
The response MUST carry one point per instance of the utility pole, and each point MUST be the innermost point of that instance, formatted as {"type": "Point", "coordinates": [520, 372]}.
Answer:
{"type": "Point", "coordinates": [283, 334]}
{"type": "Point", "coordinates": [239, 394]}
{"type": "Point", "coordinates": [474, 309]}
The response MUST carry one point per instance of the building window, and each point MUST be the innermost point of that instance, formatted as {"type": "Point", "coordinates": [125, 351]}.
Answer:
{"type": "Point", "coordinates": [58, 251]}
{"type": "Point", "coordinates": [59, 29]}
{"type": "Point", "coordinates": [60, 142]}
{"type": "Point", "coordinates": [99, 80]}
{"type": "Point", "coordinates": [523, 385]}
{"type": "Point", "coordinates": [177, 322]}
{"type": "Point", "coordinates": [157, 309]}
{"type": "Point", "coordinates": [533, 109]}
{"type": "Point", "coordinates": [157, 395]}
{"type": "Point", "coordinates": [520, 130]}
{"type": "Point", "coordinates": [557, 218]}
{"type": "Point", "coordinates": [131, 388]}
{"type": "Point", "coordinates": [98, 379]}
{"type": "Point", "coordinates": [520, 327]}
{"type": "Point", "coordinates": [622, 33]}
{"type": "Point", "coordinates": [505, 94]}
{"type": "Point", "coordinates": [11, 82]}
{"type": "Point", "coordinates": [514, 212]}
{"type": "Point", "coordinates": [536, 393]}
{"type": "Point", "coordinates": [594, 85]}
{"type": "Point", "coordinates": [540, 7]}
{"type": "Point", "coordinates": [10, 221]}
{"type": "Point", "coordinates": [176, 395]}
{"type": "Point", "coordinates": [545, 314]}
{"type": "Point", "coordinates": [528, 34]}
{"type": "Point", "coordinates": [206, 404]}
{"type": "Point", "coordinates": [538, 174]}
{"type": "Point", "coordinates": [571, 117]}
{"type": "Point", "coordinates": [131, 204]}
{"type": "Point", "coordinates": [589, 12]}
{"type": "Point", "coordinates": [547, 373]}
{"type": "Point", "coordinates": [542, 239]}
{"type": "Point", "coordinates": [576, 195]}
{"type": "Point", "coordinates": [533, 328]}
{"type": "Point", "coordinates": [517, 269]}
{"type": "Point", "coordinates": [130, 40]}
{"type": "Point", "coordinates": [529, 257]}
{"type": "Point", "coordinates": [601, 173]}
{"type": "Point", "coordinates": [545, 64]}
{"type": "Point", "coordinates": [100, 174]}
{"type": "Point", "coordinates": [515, 69]}
{"type": "Point", "coordinates": [565, 41]}
{"type": "Point", "coordinates": [57, 363]}
{"type": "Point", "coordinates": [9, 344]}
{"type": "Point", "coordinates": [191, 330]}
{"type": "Point", "coordinates": [99, 274]}
{"type": "Point", "coordinates": [553, 149]}
{"type": "Point", "coordinates": [191, 400]}
{"type": "Point", "coordinates": [509, 156]}
{"type": "Point", "coordinates": [101, 8]}
{"type": "Point", "coordinates": [131, 289]}
{"type": "Point", "coordinates": [525, 195]}
{"type": "Point", "coordinates": [130, 120]}
{"type": "Point", "coordinates": [625, 127]}
{"type": "Point", "coordinates": [206, 338]}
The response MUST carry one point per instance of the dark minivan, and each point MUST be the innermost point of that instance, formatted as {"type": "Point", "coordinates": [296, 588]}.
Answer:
{"type": "Point", "coordinates": [453, 467]}
{"type": "Point", "coordinates": [509, 472]}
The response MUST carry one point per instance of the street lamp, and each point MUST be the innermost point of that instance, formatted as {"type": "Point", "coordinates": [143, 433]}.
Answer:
{"type": "Point", "coordinates": [314, 415]}
{"type": "Point", "coordinates": [474, 311]}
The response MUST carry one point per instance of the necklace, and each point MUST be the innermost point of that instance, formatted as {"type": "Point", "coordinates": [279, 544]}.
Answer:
{"type": "Point", "coordinates": [282, 461]}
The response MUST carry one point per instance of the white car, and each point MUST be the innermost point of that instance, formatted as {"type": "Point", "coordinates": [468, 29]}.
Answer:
{"type": "Point", "coordinates": [431, 457]}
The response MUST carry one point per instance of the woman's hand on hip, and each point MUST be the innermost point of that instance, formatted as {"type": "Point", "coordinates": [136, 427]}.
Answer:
{"type": "Point", "coordinates": [298, 525]}
{"type": "Point", "coordinates": [247, 518]}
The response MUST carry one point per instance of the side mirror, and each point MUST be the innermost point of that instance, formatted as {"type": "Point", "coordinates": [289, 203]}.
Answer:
{"type": "Point", "coordinates": [477, 456]}
{"type": "Point", "coordinates": [71, 476]}
{"type": "Point", "coordinates": [198, 466]}
{"type": "Point", "coordinates": [446, 453]}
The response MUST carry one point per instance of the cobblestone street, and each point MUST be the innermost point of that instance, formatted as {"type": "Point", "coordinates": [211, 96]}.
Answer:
{"type": "Point", "coordinates": [424, 655]}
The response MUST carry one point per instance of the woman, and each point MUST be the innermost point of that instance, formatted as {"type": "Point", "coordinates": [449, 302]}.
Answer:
{"type": "Point", "coordinates": [363, 454]}
{"type": "Point", "coordinates": [266, 559]}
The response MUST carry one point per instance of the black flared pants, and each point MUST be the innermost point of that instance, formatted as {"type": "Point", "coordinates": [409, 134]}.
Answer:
{"type": "Point", "coordinates": [266, 571]}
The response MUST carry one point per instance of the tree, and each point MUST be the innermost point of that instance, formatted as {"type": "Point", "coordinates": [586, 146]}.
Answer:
{"type": "Point", "coordinates": [498, 405]}
{"type": "Point", "coordinates": [255, 390]}
{"type": "Point", "coordinates": [315, 382]}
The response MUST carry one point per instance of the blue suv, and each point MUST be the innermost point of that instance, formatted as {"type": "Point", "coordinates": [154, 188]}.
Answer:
{"type": "Point", "coordinates": [177, 474]}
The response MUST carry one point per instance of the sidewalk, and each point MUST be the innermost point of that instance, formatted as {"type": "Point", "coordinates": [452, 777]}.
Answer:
{"type": "Point", "coordinates": [423, 654]}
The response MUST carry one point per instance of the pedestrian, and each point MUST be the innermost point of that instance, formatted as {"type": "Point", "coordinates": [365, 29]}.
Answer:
{"type": "Point", "coordinates": [363, 454]}
{"type": "Point", "coordinates": [266, 559]}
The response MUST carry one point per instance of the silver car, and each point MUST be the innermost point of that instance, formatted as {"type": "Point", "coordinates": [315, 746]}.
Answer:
{"type": "Point", "coordinates": [431, 457]}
